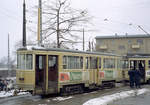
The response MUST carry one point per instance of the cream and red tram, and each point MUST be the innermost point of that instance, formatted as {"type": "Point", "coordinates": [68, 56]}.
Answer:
{"type": "Point", "coordinates": [48, 71]}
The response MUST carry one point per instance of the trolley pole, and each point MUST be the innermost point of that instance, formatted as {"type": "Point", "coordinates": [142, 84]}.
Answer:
{"type": "Point", "coordinates": [40, 23]}
{"type": "Point", "coordinates": [8, 64]}
{"type": "Point", "coordinates": [83, 40]}
{"type": "Point", "coordinates": [24, 24]}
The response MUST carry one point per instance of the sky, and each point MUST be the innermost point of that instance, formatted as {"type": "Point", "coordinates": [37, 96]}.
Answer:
{"type": "Point", "coordinates": [120, 14]}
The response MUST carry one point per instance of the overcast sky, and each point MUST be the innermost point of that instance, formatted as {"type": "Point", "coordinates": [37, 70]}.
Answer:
{"type": "Point", "coordinates": [119, 13]}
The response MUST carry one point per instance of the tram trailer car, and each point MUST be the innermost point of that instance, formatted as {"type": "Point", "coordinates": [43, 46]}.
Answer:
{"type": "Point", "coordinates": [140, 62]}
{"type": "Point", "coordinates": [48, 71]}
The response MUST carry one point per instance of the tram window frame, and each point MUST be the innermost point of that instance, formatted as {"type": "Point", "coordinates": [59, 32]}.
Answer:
{"type": "Point", "coordinates": [148, 63]}
{"type": "Point", "coordinates": [125, 64]}
{"type": "Point", "coordinates": [64, 62]}
{"type": "Point", "coordinates": [93, 62]}
{"type": "Point", "coordinates": [120, 63]}
{"type": "Point", "coordinates": [29, 61]}
{"type": "Point", "coordinates": [40, 62]}
{"type": "Point", "coordinates": [100, 63]}
{"type": "Point", "coordinates": [72, 62]}
{"type": "Point", "coordinates": [24, 61]}
{"type": "Point", "coordinates": [87, 62]}
{"type": "Point", "coordinates": [109, 63]}
{"type": "Point", "coordinates": [52, 61]}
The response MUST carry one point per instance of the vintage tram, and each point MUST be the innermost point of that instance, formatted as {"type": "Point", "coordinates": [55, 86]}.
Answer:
{"type": "Point", "coordinates": [48, 71]}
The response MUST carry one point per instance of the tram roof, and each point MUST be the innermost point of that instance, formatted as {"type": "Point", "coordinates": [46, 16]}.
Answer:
{"type": "Point", "coordinates": [32, 48]}
{"type": "Point", "coordinates": [138, 55]}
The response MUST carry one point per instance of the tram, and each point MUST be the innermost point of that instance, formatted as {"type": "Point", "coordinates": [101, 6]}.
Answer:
{"type": "Point", "coordinates": [48, 71]}
{"type": "Point", "coordinates": [142, 63]}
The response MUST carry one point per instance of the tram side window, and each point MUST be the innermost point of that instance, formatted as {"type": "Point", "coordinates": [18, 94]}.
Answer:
{"type": "Point", "coordinates": [125, 64]}
{"type": "Point", "coordinates": [131, 64]}
{"type": "Point", "coordinates": [119, 63]}
{"type": "Point", "coordinates": [93, 63]}
{"type": "Point", "coordinates": [87, 63]}
{"type": "Point", "coordinates": [72, 62]}
{"type": "Point", "coordinates": [29, 61]}
{"type": "Point", "coordinates": [109, 63]}
{"type": "Point", "coordinates": [24, 61]}
{"type": "Point", "coordinates": [149, 64]}
{"type": "Point", "coordinates": [65, 62]}
{"type": "Point", "coordinates": [40, 62]}
{"type": "Point", "coordinates": [99, 62]}
{"type": "Point", "coordinates": [52, 62]}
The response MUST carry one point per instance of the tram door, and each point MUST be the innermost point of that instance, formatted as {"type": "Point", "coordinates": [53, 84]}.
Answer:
{"type": "Point", "coordinates": [140, 65]}
{"type": "Point", "coordinates": [40, 76]}
{"type": "Point", "coordinates": [52, 73]}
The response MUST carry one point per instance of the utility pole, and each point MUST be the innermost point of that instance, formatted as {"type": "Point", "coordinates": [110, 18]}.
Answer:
{"type": "Point", "coordinates": [8, 64]}
{"type": "Point", "coordinates": [24, 24]}
{"type": "Point", "coordinates": [58, 30]}
{"type": "Point", "coordinates": [40, 23]}
{"type": "Point", "coordinates": [89, 46]}
{"type": "Point", "coordinates": [83, 40]}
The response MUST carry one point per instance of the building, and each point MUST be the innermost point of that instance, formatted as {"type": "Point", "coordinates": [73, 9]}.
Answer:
{"type": "Point", "coordinates": [4, 72]}
{"type": "Point", "coordinates": [124, 44]}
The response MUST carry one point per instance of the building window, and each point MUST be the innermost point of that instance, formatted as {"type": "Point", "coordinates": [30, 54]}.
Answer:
{"type": "Point", "coordinates": [121, 47]}
{"type": "Point", "coordinates": [140, 41]}
{"type": "Point", "coordinates": [129, 41]}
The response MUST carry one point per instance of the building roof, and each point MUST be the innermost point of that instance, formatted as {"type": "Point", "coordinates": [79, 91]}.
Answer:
{"type": "Point", "coordinates": [123, 36]}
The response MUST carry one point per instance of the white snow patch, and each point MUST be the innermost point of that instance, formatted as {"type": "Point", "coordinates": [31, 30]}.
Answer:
{"type": "Point", "coordinates": [35, 47]}
{"type": "Point", "coordinates": [10, 93]}
{"type": "Point", "coordinates": [62, 98]}
{"type": "Point", "coordinates": [110, 98]}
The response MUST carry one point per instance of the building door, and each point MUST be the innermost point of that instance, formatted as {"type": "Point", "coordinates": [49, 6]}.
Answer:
{"type": "Point", "coordinates": [40, 76]}
{"type": "Point", "coordinates": [52, 73]}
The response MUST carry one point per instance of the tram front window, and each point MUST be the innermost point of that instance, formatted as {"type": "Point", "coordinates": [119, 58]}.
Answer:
{"type": "Point", "coordinates": [24, 61]}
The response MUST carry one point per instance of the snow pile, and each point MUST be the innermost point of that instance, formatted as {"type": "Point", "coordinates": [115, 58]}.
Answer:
{"type": "Point", "coordinates": [10, 93]}
{"type": "Point", "coordinates": [34, 47]}
{"type": "Point", "coordinates": [110, 98]}
{"type": "Point", "coordinates": [62, 98]}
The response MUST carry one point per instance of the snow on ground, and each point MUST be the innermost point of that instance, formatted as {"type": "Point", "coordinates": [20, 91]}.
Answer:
{"type": "Point", "coordinates": [110, 98]}
{"type": "Point", "coordinates": [62, 98]}
{"type": "Point", "coordinates": [10, 93]}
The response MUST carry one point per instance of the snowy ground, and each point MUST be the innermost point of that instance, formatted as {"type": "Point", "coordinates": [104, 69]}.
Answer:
{"type": "Point", "coordinates": [105, 100]}
{"type": "Point", "coordinates": [10, 93]}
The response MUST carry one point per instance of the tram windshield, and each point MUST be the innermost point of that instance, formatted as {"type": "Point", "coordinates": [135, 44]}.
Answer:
{"type": "Point", "coordinates": [24, 61]}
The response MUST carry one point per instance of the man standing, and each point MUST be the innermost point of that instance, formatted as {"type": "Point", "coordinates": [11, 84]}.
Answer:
{"type": "Point", "coordinates": [137, 79]}
{"type": "Point", "coordinates": [131, 77]}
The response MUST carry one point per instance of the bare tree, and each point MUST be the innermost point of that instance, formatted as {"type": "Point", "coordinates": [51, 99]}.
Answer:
{"type": "Point", "coordinates": [60, 20]}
